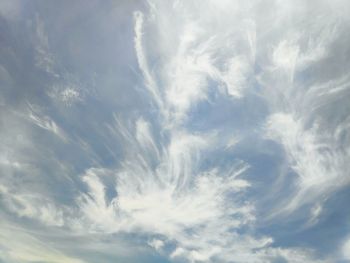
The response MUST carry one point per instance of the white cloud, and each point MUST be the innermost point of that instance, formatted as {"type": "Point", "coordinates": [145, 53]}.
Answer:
{"type": "Point", "coordinates": [68, 94]}
{"type": "Point", "coordinates": [236, 76]}
{"type": "Point", "coordinates": [300, 101]}
{"type": "Point", "coordinates": [168, 171]}
{"type": "Point", "coordinates": [45, 60]}
{"type": "Point", "coordinates": [346, 250]}
{"type": "Point", "coordinates": [173, 199]}
{"type": "Point", "coordinates": [142, 59]}
{"type": "Point", "coordinates": [319, 166]}
{"type": "Point", "coordinates": [200, 212]}
{"type": "Point", "coordinates": [285, 56]}
{"type": "Point", "coordinates": [46, 123]}
{"type": "Point", "coordinates": [196, 51]}
{"type": "Point", "coordinates": [157, 244]}
{"type": "Point", "coordinates": [162, 188]}
{"type": "Point", "coordinates": [32, 206]}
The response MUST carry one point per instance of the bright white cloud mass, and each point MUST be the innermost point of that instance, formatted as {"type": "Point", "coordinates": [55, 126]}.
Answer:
{"type": "Point", "coordinates": [174, 131]}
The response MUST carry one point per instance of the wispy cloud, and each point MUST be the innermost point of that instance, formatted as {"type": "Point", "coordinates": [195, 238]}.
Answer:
{"type": "Point", "coordinates": [206, 131]}
{"type": "Point", "coordinates": [163, 182]}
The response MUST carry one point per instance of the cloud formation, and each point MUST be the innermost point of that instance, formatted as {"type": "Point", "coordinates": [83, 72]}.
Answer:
{"type": "Point", "coordinates": [174, 131]}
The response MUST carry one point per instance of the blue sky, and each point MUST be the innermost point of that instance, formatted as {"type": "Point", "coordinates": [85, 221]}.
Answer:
{"type": "Point", "coordinates": [174, 131]}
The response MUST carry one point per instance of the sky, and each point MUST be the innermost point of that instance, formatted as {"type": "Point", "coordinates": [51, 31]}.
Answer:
{"type": "Point", "coordinates": [168, 131]}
